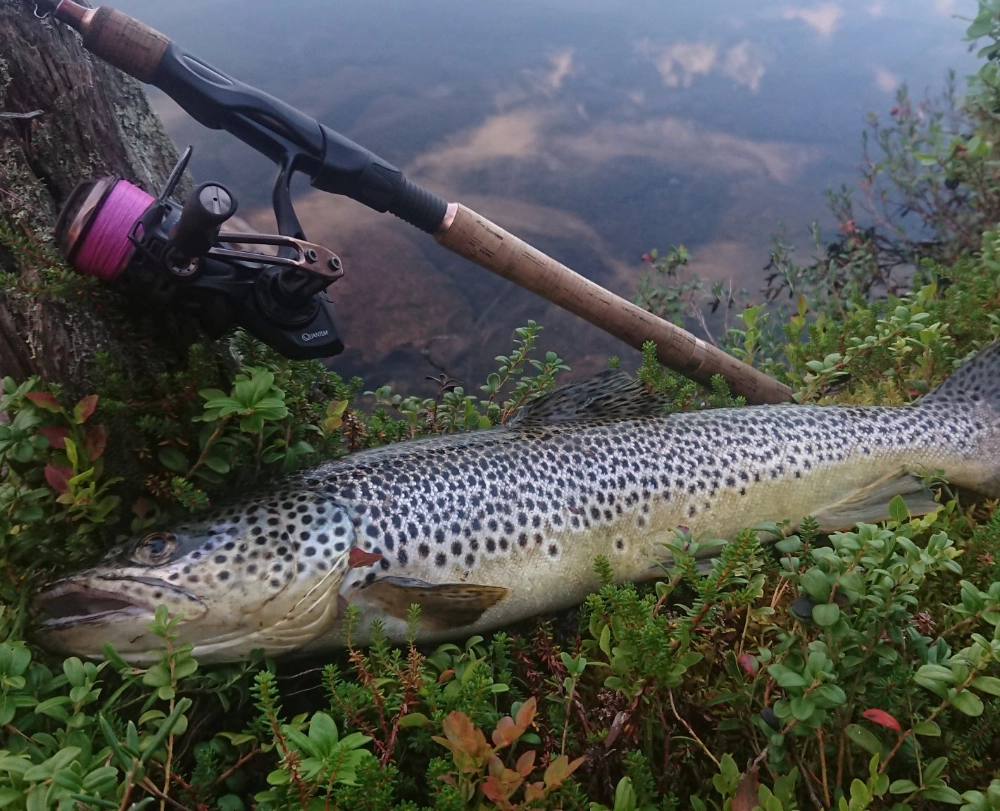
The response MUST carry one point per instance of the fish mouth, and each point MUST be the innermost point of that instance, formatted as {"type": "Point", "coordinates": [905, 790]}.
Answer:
{"type": "Point", "coordinates": [69, 604]}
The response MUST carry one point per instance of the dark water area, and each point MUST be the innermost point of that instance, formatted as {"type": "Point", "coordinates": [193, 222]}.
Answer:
{"type": "Point", "coordinates": [595, 129]}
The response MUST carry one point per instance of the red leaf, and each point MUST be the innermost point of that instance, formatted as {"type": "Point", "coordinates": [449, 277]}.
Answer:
{"type": "Point", "coordinates": [140, 507]}
{"type": "Point", "coordinates": [44, 400]}
{"type": "Point", "coordinates": [616, 728]}
{"type": "Point", "coordinates": [495, 766]}
{"type": "Point", "coordinates": [534, 791]}
{"type": "Point", "coordinates": [526, 714]}
{"type": "Point", "coordinates": [506, 732]}
{"type": "Point", "coordinates": [94, 442]}
{"type": "Point", "coordinates": [747, 791]}
{"type": "Point", "coordinates": [58, 477]}
{"type": "Point", "coordinates": [55, 435]}
{"type": "Point", "coordinates": [559, 769]}
{"type": "Point", "coordinates": [882, 718]}
{"type": "Point", "coordinates": [494, 790]}
{"type": "Point", "coordinates": [358, 558]}
{"type": "Point", "coordinates": [526, 763]}
{"type": "Point", "coordinates": [749, 663]}
{"type": "Point", "coordinates": [83, 409]}
{"type": "Point", "coordinates": [464, 735]}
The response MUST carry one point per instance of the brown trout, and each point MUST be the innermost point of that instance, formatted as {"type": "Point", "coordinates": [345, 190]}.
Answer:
{"type": "Point", "coordinates": [489, 527]}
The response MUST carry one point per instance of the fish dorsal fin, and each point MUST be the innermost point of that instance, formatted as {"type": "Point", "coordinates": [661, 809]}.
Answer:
{"type": "Point", "coordinates": [609, 395]}
{"type": "Point", "coordinates": [977, 381]}
{"type": "Point", "coordinates": [870, 504]}
{"type": "Point", "coordinates": [442, 606]}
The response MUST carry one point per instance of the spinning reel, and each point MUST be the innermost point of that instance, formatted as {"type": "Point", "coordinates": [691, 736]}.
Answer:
{"type": "Point", "coordinates": [158, 251]}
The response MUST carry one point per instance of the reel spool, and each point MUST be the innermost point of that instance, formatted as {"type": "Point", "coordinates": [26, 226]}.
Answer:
{"type": "Point", "coordinates": [157, 251]}
{"type": "Point", "coordinates": [93, 228]}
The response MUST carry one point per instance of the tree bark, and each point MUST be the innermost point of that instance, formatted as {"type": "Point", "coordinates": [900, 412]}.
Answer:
{"type": "Point", "coordinates": [94, 121]}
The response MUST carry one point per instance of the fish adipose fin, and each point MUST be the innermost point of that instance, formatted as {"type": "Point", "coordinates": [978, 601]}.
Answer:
{"type": "Point", "coordinates": [609, 395]}
{"type": "Point", "coordinates": [451, 605]}
{"type": "Point", "coordinates": [976, 382]}
{"type": "Point", "coordinates": [870, 504]}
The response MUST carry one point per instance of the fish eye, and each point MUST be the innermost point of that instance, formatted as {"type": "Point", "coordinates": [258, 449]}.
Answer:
{"type": "Point", "coordinates": [155, 548]}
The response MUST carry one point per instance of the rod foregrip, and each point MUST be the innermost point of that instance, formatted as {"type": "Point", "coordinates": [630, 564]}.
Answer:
{"type": "Point", "coordinates": [349, 169]}
{"type": "Point", "coordinates": [125, 42]}
{"type": "Point", "coordinates": [490, 246]}
{"type": "Point", "coordinates": [419, 207]}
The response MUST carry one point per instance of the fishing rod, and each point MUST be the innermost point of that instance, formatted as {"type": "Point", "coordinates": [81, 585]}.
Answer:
{"type": "Point", "coordinates": [117, 232]}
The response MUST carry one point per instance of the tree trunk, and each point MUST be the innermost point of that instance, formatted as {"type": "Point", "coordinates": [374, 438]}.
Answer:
{"type": "Point", "coordinates": [94, 121]}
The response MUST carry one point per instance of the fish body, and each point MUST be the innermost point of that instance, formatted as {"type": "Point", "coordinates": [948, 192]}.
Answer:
{"type": "Point", "coordinates": [490, 527]}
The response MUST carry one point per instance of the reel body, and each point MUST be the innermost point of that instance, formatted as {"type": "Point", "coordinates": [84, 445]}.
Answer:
{"type": "Point", "coordinates": [161, 253]}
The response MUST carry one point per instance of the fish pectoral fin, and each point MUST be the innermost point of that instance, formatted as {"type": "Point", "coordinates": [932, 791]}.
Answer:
{"type": "Point", "coordinates": [442, 606]}
{"type": "Point", "coordinates": [870, 504]}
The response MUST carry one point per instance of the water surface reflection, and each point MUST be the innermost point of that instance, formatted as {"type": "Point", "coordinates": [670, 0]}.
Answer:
{"type": "Point", "coordinates": [596, 129]}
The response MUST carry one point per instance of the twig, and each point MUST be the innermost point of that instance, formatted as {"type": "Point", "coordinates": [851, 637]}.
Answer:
{"type": "Point", "coordinates": [805, 773]}
{"type": "Point", "coordinates": [237, 765]}
{"type": "Point", "coordinates": [148, 784]}
{"type": "Point", "coordinates": [821, 744]}
{"type": "Point", "coordinates": [691, 732]}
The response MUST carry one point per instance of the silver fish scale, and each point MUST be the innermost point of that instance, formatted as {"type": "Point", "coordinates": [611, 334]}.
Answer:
{"type": "Point", "coordinates": [456, 501]}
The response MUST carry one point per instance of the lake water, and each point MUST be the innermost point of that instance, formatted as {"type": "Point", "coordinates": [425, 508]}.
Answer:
{"type": "Point", "coordinates": [595, 129]}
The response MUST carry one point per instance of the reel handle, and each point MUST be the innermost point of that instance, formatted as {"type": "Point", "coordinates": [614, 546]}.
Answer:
{"type": "Point", "coordinates": [202, 216]}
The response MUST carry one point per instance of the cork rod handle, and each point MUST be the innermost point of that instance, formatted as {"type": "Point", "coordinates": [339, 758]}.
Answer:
{"type": "Point", "coordinates": [116, 38]}
{"type": "Point", "coordinates": [490, 246]}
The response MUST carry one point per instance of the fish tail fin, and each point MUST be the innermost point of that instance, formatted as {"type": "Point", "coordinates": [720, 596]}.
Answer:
{"type": "Point", "coordinates": [975, 383]}
{"type": "Point", "coordinates": [968, 402]}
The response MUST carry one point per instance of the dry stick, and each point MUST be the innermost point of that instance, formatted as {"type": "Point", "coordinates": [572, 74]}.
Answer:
{"type": "Point", "coordinates": [477, 239]}
{"type": "Point", "coordinates": [691, 732]}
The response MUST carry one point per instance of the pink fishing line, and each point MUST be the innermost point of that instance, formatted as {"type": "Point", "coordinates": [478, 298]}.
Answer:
{"type": "Point", "coordinates": [106, 249]}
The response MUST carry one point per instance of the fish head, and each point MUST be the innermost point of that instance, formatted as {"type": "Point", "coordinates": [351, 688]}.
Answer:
{"type": "Point", "coordinates": [261, 574]}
